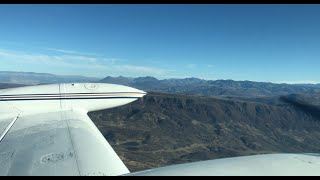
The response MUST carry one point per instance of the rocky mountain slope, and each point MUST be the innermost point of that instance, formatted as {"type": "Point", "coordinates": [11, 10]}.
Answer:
{"type": "Point", "coordinates": [163, 129]}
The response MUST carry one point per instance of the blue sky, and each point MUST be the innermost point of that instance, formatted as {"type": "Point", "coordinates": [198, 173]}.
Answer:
{"type": "Point", "coordinates": [274, 43]}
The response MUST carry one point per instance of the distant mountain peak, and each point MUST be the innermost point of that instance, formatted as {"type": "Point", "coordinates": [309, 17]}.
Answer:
{"type": "Point", "coordinates": [193, 78]}
{"type": "Point", "coordinates": [149, 78]}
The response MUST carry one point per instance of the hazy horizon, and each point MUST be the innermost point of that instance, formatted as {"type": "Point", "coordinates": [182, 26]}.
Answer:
{"type": "Point", "coordinates": [100, 78]}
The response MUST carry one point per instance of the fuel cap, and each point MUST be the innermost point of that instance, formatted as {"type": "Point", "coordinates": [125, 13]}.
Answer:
{"type": "Point", "coordinates": [91, 86]}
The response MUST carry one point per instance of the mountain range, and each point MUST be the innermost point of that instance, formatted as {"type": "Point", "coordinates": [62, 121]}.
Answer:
{"type": "Point", "coordinates": [40, 78]}
{"type": "Point", "coordinates": [195, 86]}
{"type": "Point", "coordinates": [188, 86]}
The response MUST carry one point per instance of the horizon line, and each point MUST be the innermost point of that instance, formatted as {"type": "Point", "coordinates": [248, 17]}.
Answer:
{"type": "Point", "coordinates": [298, 82]}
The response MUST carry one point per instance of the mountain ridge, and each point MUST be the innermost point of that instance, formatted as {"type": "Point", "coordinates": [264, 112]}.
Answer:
{"type": "Point", "coordinates": [33, 78]}
{"type": "Point", "coordinates": [213, 87]}
{"type": "Point", "coordinates": [188, 86]}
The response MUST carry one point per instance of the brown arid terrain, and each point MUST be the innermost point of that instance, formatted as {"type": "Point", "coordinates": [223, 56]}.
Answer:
{"type": "Point", "coordinates": [164, 129]}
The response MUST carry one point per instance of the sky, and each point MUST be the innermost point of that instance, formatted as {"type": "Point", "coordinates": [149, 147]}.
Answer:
{"type": "Point", "coordinates": [270, 43]}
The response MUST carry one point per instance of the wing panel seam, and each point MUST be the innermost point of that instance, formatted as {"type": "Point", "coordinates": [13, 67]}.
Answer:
{"type": "Point", "coordinates": [5, 132]}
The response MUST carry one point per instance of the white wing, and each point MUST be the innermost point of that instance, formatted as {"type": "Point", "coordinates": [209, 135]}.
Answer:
{"type": "Point", "coordinates": [51, 134]}
{"type": "Point", "coordinates": [57, 143]}
{"type": "Point", "coordinates": [257, 165]}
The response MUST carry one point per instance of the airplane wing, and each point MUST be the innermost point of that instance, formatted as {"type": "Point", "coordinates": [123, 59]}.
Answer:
{"type": "Point", "coordinates": [254, 165]}
{"type": "Point", "coordinates": [57, 143]}
{"type": "Point", "coordinates": [51, 134]}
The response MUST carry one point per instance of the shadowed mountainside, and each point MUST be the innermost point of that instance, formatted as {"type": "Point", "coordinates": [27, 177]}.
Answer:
{"type": "Point", "coordinates": [163, 129]}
